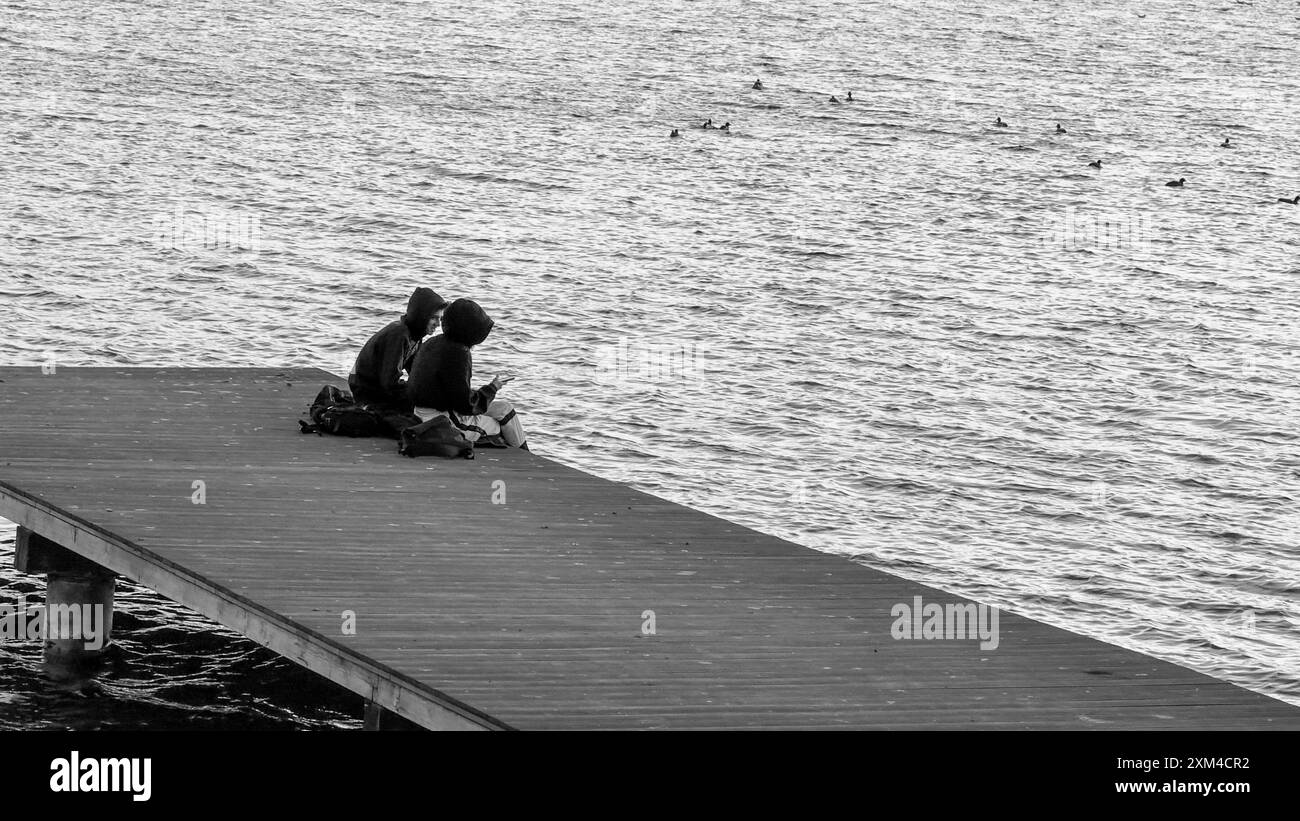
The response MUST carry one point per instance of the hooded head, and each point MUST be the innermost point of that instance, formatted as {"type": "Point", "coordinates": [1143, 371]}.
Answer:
{"type": "Point", "coordinates": [465, 322]}
{"type": "Point", "coordinates": [421, 307]}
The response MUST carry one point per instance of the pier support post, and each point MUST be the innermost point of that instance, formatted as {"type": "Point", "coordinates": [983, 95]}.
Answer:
{"type": "Point", "coordinates": [374, 716]}
{"type": "Point", "coordinates": [377, 718]}
{"type": "Point", "coordinates": [78, 606]}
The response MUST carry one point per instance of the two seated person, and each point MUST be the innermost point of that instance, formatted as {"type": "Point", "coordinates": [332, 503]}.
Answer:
{"type": "Point", "coordinates": [439, 371]}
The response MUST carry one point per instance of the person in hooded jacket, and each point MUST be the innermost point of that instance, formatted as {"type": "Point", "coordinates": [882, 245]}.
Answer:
{"type": "Point", "coordinates": [376, 377]}
{"type": "Point", "coordinates": [440, 379]}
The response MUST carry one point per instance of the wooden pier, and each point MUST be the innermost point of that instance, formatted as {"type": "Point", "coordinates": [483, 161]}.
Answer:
{"type": "Point", "coordinates": [510, 591]}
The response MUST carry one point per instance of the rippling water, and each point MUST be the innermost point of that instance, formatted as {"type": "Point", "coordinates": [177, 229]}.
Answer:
{"type": "Point", "coordinates": [885, 328]}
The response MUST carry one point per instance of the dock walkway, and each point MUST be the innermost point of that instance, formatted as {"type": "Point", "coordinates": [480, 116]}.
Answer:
{"type": "Point", "coordinates": [527, 610]}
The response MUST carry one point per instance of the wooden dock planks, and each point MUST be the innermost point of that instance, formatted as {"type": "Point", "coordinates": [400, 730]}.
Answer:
{"type": "Point", "coordinates": [526, 614]}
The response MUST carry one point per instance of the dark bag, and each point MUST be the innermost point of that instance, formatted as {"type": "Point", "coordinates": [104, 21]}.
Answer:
{"type": "Point", "coordinates": [335, 412]}
{"type": "Point", "coordinates": [437, 437]}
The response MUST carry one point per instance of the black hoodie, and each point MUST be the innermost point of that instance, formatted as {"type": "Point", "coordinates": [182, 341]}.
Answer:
{"type": "Point", "coordinates": [375, 377]}
{"type": "Point", "coordinates": [442, 369]}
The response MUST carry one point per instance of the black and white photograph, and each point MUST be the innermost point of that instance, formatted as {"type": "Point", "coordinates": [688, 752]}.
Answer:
{"type": "Point", "coordinates": [747, 369]}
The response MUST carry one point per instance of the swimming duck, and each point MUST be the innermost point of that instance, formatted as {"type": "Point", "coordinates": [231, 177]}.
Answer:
{"type": "Point", "coordinates": [849, 98]}
{"type": "Point", "coordinates": [674, 134]}
{"type": "Point", "coordinates": [1000, 123]}
{"type": "Point", "coordinates": [1059, 130]}
{"type": "Point", "coordinates": [1295, 201]}
{"type": "Point", "coordinates": [758, 85]}
{"type": "Point", "coordinates": [708, 123]}
{"type": "Point", "coordinates": [1226, 143]}
{"type": "Point", "coordinates": [1095, 164]}
{"type": "Point", "coordinates": [834, 99]}
{"type": "Point", "coordinates": [725, 126]}
{"type": "Point", "coordinates": [1176, 184]}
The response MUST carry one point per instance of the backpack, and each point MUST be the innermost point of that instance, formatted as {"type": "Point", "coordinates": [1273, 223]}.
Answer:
{"type": "Point", "coordinates": [437, 437]}
{"type": "Point", "coordinates": [335, 412]}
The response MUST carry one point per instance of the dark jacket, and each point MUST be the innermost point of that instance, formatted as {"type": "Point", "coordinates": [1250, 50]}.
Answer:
{"type": "Point", "coordinates": [442, 369]}
{"type": "Point", "coordinates": [376, 374]}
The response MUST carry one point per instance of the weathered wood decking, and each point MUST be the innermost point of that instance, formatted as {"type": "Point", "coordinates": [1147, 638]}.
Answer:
{"type": "Point", "coordinates": [527, 614]}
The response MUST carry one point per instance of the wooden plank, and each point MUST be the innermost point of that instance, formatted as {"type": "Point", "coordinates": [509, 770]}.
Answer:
{"type": "Point", "coordinates": [525, 614]}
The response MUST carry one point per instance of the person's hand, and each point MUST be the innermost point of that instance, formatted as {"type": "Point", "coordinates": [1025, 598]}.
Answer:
{"type": "Point", "coordinates": [500, 381]}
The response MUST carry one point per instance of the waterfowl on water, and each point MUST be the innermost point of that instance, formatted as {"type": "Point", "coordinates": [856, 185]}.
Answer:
{"type": "Point", "coordinates": [674, 134]}
{"type": "Point", "coordinates": [1059, 130]}
{"type": "Point", "coordinates": [725, 126]}
{"type": "Point", "coordinates": [1295, 201]}
{"type": "Point", "coordinates": [1176, 184]}
{"type": "Point", "coordinates": [834, 99]}
{"type": "Point", "coordinates": [849, 98]}
{"type": "Point", "coordinates": [1000, 123]}
{"type": "Point", "coordinates": [1095, 164]}
{"type": "Point", "coordinates": [758, 85]}
{"type": "Point", "coordinates": [1226, 143]}
{"type": "Point", "coordinates": [708, 123]}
